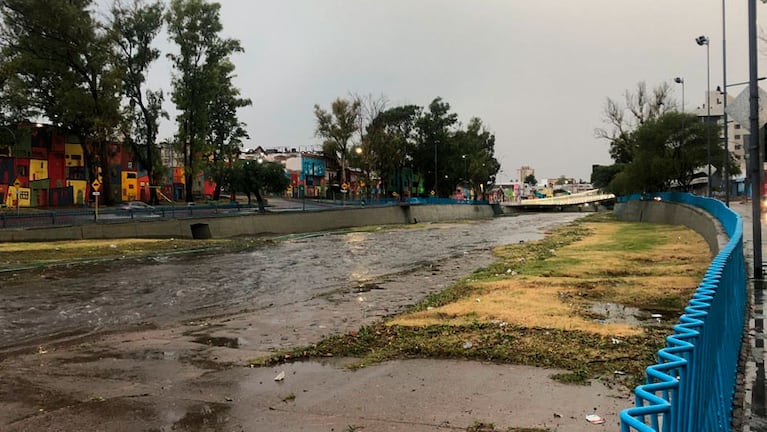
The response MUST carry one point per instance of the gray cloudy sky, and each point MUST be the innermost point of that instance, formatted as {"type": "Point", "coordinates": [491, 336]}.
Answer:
{"type": "Point", "coordinates": [536, 72]}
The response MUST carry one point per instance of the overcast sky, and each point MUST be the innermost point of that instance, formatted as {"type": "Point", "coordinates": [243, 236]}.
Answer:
{"type": "Point", "coordinates": [536, 72]}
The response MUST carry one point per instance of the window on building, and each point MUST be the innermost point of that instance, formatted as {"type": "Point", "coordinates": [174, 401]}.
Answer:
{"type": "Point", "coordinates": [737, 126]}
{"type": "Point", "coordinates": [737, 137]}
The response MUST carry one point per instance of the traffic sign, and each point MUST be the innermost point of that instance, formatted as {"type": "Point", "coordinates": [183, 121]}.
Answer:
{"type": "Point", "coordinates": [345, 186]}
{"type": "Point", "coordinates": [96, 184]}
{"type": "Point", "coordinates": [96, 193]}
{"type": "Point", "coordinates": [17, 184]}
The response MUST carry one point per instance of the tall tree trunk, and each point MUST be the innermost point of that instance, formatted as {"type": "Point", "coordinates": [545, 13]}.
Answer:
{"type": "Point", "coordinates": [259, 200]}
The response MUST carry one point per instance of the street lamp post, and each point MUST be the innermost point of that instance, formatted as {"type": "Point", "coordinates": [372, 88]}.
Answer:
{"type": "Point", "coordinates": [680, 80]}
{"type": "Point", "coordinates": [755, 163]}
{"type": "Point", "coordinates": [703, 40]}
{"type": "Point", "coordinates": [726, 159]}
{"type": "Point", "coordinates": [465, 170]}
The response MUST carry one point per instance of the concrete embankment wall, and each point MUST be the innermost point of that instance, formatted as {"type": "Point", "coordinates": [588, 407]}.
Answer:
{"type": "Point", "coordinates": [672, 213]}
{"type": "Point", "coordinates": [254, 224]}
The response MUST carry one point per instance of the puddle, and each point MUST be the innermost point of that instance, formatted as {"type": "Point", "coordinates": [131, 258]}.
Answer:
{"type": "Point", "coordinates": [204, 417]}
{"type": "Point", "coordinates": [218, 341]}
{"type": "Point", "coordinates": [614, 313]}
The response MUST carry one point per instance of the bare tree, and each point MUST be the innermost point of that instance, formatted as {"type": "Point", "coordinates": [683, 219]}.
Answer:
{"type": "Point", "coordinates": [637, 108]}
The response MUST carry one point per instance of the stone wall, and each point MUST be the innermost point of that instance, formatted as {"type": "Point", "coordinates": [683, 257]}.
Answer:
{"type": "Point", "coordinates": [671, 213]}
{"type": "Point", "coordinates": [254, 224]}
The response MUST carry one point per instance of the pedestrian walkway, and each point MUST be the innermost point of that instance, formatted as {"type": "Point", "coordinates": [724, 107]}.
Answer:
{"type": "Point", "coordinates": [754, 411]}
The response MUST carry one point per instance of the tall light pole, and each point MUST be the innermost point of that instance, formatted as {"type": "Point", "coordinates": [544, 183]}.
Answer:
{"type": "Point", "coordinates": [755, 163]}
{"type": "Point", "coordinates": [726, 159]}
{"type": "Point", "coordinates": [680, 80]}
{"type": "Point", "coordinates": [703, 40]}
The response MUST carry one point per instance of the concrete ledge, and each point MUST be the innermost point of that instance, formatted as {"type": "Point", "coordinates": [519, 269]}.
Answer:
{"type": "Point", "coordinates": [255, 224]}
{"type": "Point", "coordinates": [672, 213]}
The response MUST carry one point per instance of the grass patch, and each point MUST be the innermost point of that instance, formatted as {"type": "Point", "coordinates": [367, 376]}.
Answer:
{"type": "Point", "coordinates": [41, 254]}
{"type": "Point", "coordinates": [531, 307]}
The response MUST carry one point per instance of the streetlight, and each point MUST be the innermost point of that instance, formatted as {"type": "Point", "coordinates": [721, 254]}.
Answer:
{"type": "Point", "coordinates": [703, 40]}
{"type": "Point", "coordinates": [724, 110]}
{"type": "Point", "coordinates": [679, 80]}
{"type": "Point", "coordinates": [755, 163]}
{"type": "Point", "coordinates": [465, 171]}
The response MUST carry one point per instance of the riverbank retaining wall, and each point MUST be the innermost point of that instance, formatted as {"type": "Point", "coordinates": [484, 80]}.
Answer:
{"type": "Point", "coordinates": [672, 213]}
{"type": "Point", "coordinates": [254, 224]}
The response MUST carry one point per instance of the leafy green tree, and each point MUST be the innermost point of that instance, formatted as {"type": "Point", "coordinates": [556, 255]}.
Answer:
{"type": "Point", "coordinates": [336, 127]}
{"type": "Point", "coordinates": [61, 61]}
{"type": "Point", "coordinates": [602, 175]}
{"type": "Point", "coordinates": [256, 178]}
{"type": "Point", "coordinates": [476, 146]}
{"type": "Point", "coordinates": [226, 132]}
{"type": "Point", "coordinates": [391, 142]}
{"type": "Point", "coordinates": [434, 145]}
{"type": "Point", "coordinates": [195, 26]}
{"type": "Point", "coordinates": [670, 149]}
{"type": "Point", "coordinates": [134, 28]}
{"type": "Point", "coordinates": [531, 180]}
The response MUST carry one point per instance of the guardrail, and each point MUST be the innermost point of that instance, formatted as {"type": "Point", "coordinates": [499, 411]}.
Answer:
{"type": "Point", "coordinates": [692, 386]}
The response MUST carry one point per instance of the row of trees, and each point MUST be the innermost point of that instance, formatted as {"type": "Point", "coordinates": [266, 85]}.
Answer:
{"type": "Point", "coordinates": [654, 146]}
{"type": "Point", "coordinates": [88, 75]}
{"type": "Point", "coordinates": [387, 140]}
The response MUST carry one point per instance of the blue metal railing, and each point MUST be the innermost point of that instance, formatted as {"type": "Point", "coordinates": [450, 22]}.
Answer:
{"type": "Point", "coordinates": [692, 386]}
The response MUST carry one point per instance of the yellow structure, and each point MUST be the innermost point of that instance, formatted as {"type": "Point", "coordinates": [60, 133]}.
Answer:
{"type": "Point", "coordinates": [78, 190]}
{"type": "Point", "coordinates": [24, 195]}
{"type": "Point", "coordinates": [38, 169]}
{"type": "Point", "coordinates": [73, 155]}
{"type": "Point", "coordinates": [129, 185]}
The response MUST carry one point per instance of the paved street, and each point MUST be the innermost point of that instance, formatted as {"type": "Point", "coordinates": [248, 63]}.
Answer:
{"type": "Point", "coordinates": [755, 405]}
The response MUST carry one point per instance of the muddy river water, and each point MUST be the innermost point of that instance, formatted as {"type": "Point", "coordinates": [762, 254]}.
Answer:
{"type": "Point", "coordinates": [162, 343]}
{"type": "Point", "coordinates": [44, 304]}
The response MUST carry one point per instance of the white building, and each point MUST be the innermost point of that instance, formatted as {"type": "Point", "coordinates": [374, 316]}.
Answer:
{"type": "Point", "coordinates": [736, 134]}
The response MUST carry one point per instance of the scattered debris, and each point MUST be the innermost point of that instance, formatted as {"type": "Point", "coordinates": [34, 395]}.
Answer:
{"type": "Point", "coordinates": [656, 315]}
{"type": "Point", "coordinates": [594, 419]}
{"type": "Point", "coordinates": [228, 399]}
{"type": "Point", "coordinates": [280, 376]}
{"type": "Point", "coordinates": [557, 415]}
{"type": "Point", "coordinates": [616, 341]}
{"type": "Point", "coordinates": [619, 373]}
{"type": "Point", "coordinates": [468, 345]}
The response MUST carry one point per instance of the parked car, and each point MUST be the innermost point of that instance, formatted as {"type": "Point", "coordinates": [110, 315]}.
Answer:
{"type": "Point", "coordinates": [138, 209]}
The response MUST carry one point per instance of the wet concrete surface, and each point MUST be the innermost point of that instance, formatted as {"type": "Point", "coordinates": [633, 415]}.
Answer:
{"type": "Point", "coordinates": [161, 344]}
{"type": "Point", "coordinates": [753, 414]}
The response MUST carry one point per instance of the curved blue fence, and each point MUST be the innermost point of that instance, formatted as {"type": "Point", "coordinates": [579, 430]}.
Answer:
{"type": "Point", "coordinates": [691, 387]}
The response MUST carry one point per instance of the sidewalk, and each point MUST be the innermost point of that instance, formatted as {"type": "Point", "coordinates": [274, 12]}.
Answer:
{"type": "Point", "coordinates": [754, 413]}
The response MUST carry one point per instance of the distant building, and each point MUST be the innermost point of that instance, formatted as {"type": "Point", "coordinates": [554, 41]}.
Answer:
{"type": "Point", "coordinates": [524, 172]}
{"type": "Point", "coordinates": [736, 134]}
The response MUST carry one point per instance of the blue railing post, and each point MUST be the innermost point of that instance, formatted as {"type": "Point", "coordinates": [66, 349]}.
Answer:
{"type": "Point", "coordinates": [696, 372]}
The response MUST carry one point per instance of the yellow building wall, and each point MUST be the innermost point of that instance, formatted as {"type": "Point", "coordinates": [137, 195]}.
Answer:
{"type": "Point", "coordinates": [73, 155]}
{"type": "Point", "coordinates": [129, 186]}
{"type": "Point", "coordinates": [78, 190]}
{"type": "Point", "coordinates": [38, 169]}
{"type": "Point", "coordinates": [25, 197]}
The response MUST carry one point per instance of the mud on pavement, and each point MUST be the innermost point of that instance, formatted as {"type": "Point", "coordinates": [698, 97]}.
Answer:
{"type": "Point", "coordinates": [162, 344]}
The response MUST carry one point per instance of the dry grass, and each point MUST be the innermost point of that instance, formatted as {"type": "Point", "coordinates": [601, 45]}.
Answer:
{"type": "Point", "coordinates": [654, 267]}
